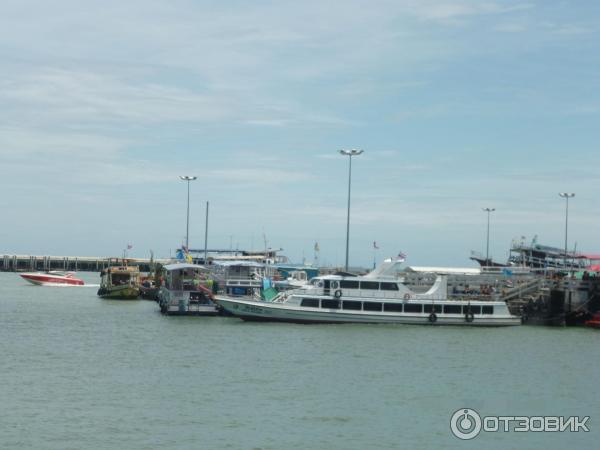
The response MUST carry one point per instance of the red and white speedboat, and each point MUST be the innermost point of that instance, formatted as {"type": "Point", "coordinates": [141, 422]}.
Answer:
{"type": "Point", "coordinates": [52, 278]}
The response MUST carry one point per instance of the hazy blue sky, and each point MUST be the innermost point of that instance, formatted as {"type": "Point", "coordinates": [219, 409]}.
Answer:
{"type": "Point", "coordinates": [458, 105]}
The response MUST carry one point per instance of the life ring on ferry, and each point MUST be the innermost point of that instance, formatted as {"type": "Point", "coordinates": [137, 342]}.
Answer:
{"type": "Point", "coordinates": [469, 317]}
{"type": "Point", "coordinates": [337, 294]}
{"type": "Point", "coordinates": [407, 296]}
{"type": "Point", "coordinates": [433, 317]}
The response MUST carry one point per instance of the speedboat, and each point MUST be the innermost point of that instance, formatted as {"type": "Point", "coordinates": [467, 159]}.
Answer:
{"type": "Point", "coordinates": [378, 297]}
{"type": "Point", "coordinates": [52, 278]}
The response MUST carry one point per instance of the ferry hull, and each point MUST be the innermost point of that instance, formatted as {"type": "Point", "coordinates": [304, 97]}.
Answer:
{"type": "Point", "coordinates": [261, 311]}
{"type": "Point", "coordinates": [186, 303]}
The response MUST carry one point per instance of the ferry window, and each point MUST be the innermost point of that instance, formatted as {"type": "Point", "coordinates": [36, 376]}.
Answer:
{"type": "Point", "coordinates": [389, 286]}
{"type": "Point", "coordinates": [310, 302]}
{"type": "Point", "coordinates": [332, 304]}
{"type": "Point", "coordinates": [369, 285]}
{"type": "Point", "coordinates": [371, 306]}
{"type": "Point", "coordinates": [452, 309]}
{"type": "Point", "coordinates": [487, 310]}
{"type": "Point", "coordinates": [348, 284]}
{"type": "Point", "coordinates": [432, 308]}
{"type": "Point", "coordinates": [413, 308]}
{"type": "Point", "coordinates": [352, 305]}
{"type": "Point", "coordinates": [392, 307]}
{"type": "Point", "coordinates": [474, 309]}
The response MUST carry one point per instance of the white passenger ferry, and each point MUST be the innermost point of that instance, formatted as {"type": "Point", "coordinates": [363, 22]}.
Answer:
{"type": "Point", "coordinates": [377, 297]}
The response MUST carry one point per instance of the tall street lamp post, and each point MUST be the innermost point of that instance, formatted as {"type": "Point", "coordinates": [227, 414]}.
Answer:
{"type": "Point", "coordinates": [187, 227]}
{"type": "Point", "coordinates": [566, 196]}
{"type": "Point", "coordinates": [487, 246]}
{"type": "Point", "coordinates": [350, 154]}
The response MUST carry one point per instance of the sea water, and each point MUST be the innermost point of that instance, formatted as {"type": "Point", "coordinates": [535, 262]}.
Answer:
{"type": "Point", "coordinates": [80, 372]}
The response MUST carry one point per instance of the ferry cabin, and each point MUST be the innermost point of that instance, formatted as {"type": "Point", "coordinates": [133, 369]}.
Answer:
{"type": "Point", "coordinates": [381, 297]}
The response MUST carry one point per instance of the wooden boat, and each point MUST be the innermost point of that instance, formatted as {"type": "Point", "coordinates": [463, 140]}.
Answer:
{"type": "Point", "coordinates": [120, 282]}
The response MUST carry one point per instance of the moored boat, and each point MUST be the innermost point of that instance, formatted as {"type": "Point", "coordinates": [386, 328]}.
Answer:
{"type": "Point", "coordinates": [52, 278]}
{"type": "Point", "coordinates": [377, 297]}
{"type": "Point", "coordinates": [186, 290]}
{"type": "Point", "coordinates": [594, 322]}
{"type": "Point", "coordinates": [120, 282]}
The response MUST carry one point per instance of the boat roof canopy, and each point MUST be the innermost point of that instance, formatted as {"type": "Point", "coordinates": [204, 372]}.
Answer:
{"type": "Point", "coordinates": [238, 263]}
{"type": "Point", "coordinates": [179, 266]}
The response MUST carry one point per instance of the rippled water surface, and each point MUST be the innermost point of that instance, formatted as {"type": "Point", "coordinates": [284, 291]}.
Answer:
{"type": "Point", "coordinates": [79, 372]}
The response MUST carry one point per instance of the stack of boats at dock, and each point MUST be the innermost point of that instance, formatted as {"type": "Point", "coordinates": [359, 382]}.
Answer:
{"type": "Point", "coordinates": [391, 293]}
{"type": "Point", "coordinates": [246, 290]}
{"type": "Point", "coordinates": [541, 284]}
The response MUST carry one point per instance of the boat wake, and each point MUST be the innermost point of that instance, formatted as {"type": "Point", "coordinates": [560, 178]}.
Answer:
{"type": "Point", "coordinates": [63, 285]}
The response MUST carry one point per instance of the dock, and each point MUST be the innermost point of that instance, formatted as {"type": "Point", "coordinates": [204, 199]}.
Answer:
{"type": "Point", "coordinates": [24, 263]}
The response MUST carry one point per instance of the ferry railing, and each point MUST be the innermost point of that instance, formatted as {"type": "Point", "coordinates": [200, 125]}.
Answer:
{"type": "Point", "coordinates": [243, 282]}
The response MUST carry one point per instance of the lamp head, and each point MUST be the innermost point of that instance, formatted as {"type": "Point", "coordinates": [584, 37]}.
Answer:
{"type": "Point", "coordinates": [352, 152]}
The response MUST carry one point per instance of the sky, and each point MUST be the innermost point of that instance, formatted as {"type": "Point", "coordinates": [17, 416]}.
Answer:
{"type": "Point", "coordinates": [458, 105]}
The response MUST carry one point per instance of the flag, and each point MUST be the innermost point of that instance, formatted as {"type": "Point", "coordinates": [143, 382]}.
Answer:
{"type": "Point", "coordinates": [375, 245]}
{"type": "Point", "coordinates": [402, 255]}
{"type": "Point", "coordinates": [129, 246]}
{"type": "Point", "coordinates": [316, 246]}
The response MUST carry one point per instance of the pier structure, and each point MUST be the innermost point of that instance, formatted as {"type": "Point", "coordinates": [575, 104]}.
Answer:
{"type": "Point", "coordinates": [560, 302]}
{"type": "Point", "coordinates": [538, 299]}
{"type": "Point", "coordinates": [24, 263]}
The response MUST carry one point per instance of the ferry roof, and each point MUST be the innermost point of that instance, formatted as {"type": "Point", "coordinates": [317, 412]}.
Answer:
{"type": "Point", "coordinates": [446, 270]}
